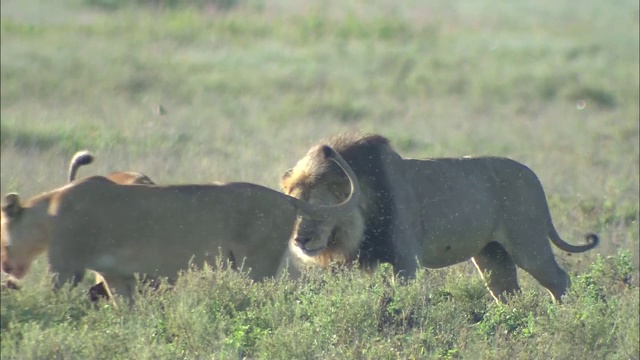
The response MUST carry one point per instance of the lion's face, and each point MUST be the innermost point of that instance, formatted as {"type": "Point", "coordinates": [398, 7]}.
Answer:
{"type": "Point", "coordinates": [23, 237]}
{"type": "Point", "coordinates": [316, 181]}
{"type": "Point", "coordinates": [311, 235]}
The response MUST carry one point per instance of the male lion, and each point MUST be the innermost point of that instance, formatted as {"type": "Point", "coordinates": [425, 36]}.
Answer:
{"type": "Point", "coordinates": [120, 230]}
{"type": "Point", "coordinates": [441, 211]}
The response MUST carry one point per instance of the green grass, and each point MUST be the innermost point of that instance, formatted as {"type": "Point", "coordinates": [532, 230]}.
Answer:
{"type": "Point", "coordinates": [249, 86]}
{"type": "Point", "coordinates": [222, 314]}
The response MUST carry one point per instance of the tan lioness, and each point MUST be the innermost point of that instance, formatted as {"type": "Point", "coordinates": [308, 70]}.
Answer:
{"type": "Point", "coordinates": [156, 231]}
{"type": "Point", "coordinates": [79, 159]}
{"type": "Point", "coordinates": [437, 211]}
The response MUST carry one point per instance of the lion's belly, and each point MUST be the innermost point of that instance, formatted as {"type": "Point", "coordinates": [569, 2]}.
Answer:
{"type": "Point", "coordinates": [458, 210]}
{"type": "Point", "coordinates": [438, 254]}
{"type": "Point", "coordinates": [452, 234]}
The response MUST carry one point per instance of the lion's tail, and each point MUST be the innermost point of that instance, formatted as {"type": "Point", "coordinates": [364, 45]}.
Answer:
{"type": "Point", "coordinates": [80, 158]}
{"type": "Point", "coordinates": [591, 238]}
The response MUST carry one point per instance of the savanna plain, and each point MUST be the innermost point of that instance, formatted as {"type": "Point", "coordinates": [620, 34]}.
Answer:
{"type": "Point", "coordinates": [204, 91]}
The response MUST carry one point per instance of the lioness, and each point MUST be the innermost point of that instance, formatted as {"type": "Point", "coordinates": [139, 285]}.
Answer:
{"type": "Point", "coordinates": [119, 230]}
{"type": "Point", "coordinates": [441, 211]}
{"type": "Point", "coordinates": [79, 159]}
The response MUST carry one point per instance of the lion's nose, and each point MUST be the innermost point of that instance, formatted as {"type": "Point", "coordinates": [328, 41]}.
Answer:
{"type": "Point", "coordinates": [301, 240]}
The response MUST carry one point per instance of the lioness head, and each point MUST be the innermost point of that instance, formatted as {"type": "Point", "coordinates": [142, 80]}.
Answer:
{"type": "Point", "coordinates": [24, 229]}
{"type": "Point", "coordinates": [24, 235]}
{"type": "Point", "coordinates": [318, 181]}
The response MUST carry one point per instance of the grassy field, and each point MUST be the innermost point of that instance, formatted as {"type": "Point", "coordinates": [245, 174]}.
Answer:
{"type": "Point", "coordinates": [247, 87]}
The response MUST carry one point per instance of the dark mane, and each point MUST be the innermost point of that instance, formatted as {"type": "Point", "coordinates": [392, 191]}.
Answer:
{"type": "Point", "coordinates": [346, 143]}
{"type": "Point", "coordinates": [363, 153]}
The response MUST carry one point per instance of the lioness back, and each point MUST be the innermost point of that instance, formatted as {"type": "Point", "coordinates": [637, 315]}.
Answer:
{"type": "Point", "coordinates": [129, 177]}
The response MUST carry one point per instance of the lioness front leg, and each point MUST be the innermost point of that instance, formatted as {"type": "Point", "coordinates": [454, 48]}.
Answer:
{"type": "Point", "coordinates": [503, 277]}
{"type": "Point", "coordinates": [64, 270]}
{"type": "Point", "coordinates": [61, 277]}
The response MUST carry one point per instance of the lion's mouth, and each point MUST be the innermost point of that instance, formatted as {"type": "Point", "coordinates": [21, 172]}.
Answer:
{"type": "Point", "coordinates": [312, 252]}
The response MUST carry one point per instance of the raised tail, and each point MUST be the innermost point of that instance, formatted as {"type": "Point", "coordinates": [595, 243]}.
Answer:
{"type": "Point", "coordinates": [81, 158]}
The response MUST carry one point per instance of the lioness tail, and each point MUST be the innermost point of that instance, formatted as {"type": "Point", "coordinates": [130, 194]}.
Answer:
{"type": "Point", "coordinates": [83, 157]}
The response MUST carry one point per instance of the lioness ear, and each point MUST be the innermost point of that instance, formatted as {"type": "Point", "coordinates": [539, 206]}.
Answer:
{"type": "Point", "coordinates": [11, 205]}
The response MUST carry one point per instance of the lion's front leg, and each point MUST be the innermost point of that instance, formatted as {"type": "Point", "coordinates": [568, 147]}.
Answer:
{"type": "Point", "coordinates": [288, 267]}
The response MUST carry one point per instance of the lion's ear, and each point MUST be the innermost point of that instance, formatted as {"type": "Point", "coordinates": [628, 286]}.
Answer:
{"type": "Point", "coordinates": [11, 205]}
{"type": "Point", "coordinates": [285, 176]}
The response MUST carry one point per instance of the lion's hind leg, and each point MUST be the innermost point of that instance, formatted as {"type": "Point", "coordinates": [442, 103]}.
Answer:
{"type": "Point", "coordinates": [542, 265]}
{"type": "Point", "coordinates": [502, 281]}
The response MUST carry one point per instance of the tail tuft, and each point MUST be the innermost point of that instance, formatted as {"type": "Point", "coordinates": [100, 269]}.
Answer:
{"type": "Point", "coordinates": [592, 239]}
{"type": "Point", "coordinates": [80, 158]}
